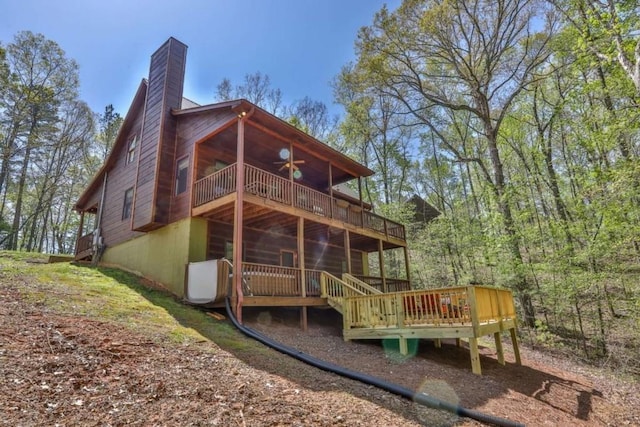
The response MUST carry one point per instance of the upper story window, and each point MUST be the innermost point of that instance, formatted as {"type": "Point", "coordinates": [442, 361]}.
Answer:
{"type": "Point", "coordinates": [182, 175]}
{"type": "Point", "coordinates": [128, 203]}
{"type": "Point", "coordinates": [131, 152]}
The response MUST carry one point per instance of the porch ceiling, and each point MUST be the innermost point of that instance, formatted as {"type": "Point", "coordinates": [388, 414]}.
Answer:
{"type": "Point", "coordinates": [278, 223]}
{"type": "Point", "coordinates": [262, 149]}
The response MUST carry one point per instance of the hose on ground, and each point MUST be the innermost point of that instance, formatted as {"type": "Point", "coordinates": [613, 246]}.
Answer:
{"type": "Point", "coordinates": [420, 398]}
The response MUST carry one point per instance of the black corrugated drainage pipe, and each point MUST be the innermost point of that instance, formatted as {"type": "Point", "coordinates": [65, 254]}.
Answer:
{"type": "Point", "coordinates": [420, 398]}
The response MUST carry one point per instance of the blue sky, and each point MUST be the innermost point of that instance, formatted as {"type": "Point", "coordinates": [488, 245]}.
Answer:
{"type": "Point", "coordinates": [300, 44]}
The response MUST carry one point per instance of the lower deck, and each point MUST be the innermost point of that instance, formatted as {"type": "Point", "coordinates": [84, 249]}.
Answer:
{"type": "Point", "coordinates": [369, 313]}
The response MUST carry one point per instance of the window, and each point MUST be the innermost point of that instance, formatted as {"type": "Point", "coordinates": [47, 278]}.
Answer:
{"type": "Point", "coordinates": [128, 203]}
{"type": "Point", "coordinates": [228, 250]}
{"type": "Point", "coordinates": [182, 175]}
{"type": "Point", "coordinates": [287, 258]}
{"type": "Point", "coordinates": [131, 153]}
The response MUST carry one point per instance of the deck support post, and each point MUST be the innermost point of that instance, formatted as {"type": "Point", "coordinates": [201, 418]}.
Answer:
{"type": "Point", "coordinates": [475, 356]}
{"type": "Point", "coordinates": [381, 261]}
{"type": "Point", "coordinates": [80, 231]}
{"type": "Point", "coordinates": [498, 338]}
{"type": "Point", "coordinates": [347, 250]}
{"type": "Point", "coordinates": [438, 342]}
{"type": "Point", "coordinates": [516, 348]}
{"type": "Point", "coordinates": [458, 342]}
{"type": "Point", "coordinates": [404, 346]}
{"type": "Point", "coordinates": [238, 220]}
{"type": "Point", "coordinates": [303, 276]}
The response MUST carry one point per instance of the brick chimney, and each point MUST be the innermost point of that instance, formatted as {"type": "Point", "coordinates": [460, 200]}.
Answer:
{"type": "Point", "coordinates": [158, 140]}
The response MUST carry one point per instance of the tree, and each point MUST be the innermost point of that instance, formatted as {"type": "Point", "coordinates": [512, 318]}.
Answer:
{"type": "Point", "coordinates": [41, 79]}
{"type": "Point", "coordinates": [441, 60]}
{"type": "Point", "coordinates": [312, 117]}
{"type": "Point", "coordinates": [256, 88]}
{"type": "Point", "coordinates": [110, 122]}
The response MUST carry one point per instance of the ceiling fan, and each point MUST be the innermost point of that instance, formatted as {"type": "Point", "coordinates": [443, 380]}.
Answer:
{"type": "Point", "coordinates": [286, 162]}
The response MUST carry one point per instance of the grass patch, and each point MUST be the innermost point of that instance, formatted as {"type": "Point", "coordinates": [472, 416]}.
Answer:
{"type": "Point", "coordinates": [112, 295]}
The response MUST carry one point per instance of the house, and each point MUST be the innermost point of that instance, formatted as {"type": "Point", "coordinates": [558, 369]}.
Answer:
{"type": "Point", "coordinates": [233, 201]}
{"type": "Point", "coordinates": [186, 183]}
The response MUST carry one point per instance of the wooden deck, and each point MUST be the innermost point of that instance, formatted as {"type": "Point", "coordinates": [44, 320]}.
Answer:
{"type": "Point", "coordinates": [368, 313]}
{"type": "Point", "coordinates": [463, 312]}
{"type": "Point", "coordinates": [282, 192]}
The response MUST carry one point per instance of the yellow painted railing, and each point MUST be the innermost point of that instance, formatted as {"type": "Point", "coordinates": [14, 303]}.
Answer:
{"type": "Point", "coordinates": [359, 284]}
{"type": "Point", "coordinates": [493, 304]}
{"type": "Point", "coordinates": [472, 305]}
{"type": "Point", "coordinates": [393, 285]}
{"type": "Point", "coordinates": [332, 287]}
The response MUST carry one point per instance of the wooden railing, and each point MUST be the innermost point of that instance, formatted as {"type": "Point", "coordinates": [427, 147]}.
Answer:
{"type": "Point", "coordinates": [271, 280]}
{"type": "Point", "coordinates": [273, 187]}
{"type": "Point", "coordinates": [274, 280]}
{"type": "Point", "coordinates": [493, 304]}
{"type": "Point", "coordinates": [214, 186]}
{"type": "Point", "coordinates": [359, 284]}
{"type": "Point", "coordinates": [267, 185]}
{"type": "Point", "coordinates": [438, 307]}
{"type": "Point", "coordinates": [312, 279]}
{"type": "Point", "coordinates": [85, 242]}
{"type": "Point", "coordinates": [393, 285]}
{"type": "Point", "coordinates": [332, 287]}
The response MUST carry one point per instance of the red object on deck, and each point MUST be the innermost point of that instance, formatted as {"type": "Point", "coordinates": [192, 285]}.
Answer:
{"type": "Point", "coordinates": [422, 304]}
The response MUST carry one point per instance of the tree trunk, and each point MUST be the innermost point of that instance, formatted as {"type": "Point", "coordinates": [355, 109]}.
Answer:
{"type": "Point", "coordinates": [520, 286]}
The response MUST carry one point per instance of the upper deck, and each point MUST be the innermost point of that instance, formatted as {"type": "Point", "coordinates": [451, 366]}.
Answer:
{"type": "Point", "coordinates": [278, 193]}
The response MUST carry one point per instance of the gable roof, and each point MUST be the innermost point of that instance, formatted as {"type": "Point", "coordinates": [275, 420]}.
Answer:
{"type": "Point", "coordinates": [423, 210]}
{"type": "Point", "coordinates": [301, 139]}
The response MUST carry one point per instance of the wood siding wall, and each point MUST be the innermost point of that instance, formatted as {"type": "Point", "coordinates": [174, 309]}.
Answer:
{"type": "Point", "coordinates": [155, 174]}
{"type": "Point", "coordinates": [264, 248]}
{"type": "Point", "coordinates": [191, 129]}
{"type": "Point", "coordinates": [121, 177]}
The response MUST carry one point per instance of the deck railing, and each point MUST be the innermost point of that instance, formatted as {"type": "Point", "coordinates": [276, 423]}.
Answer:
{"type": "Point", "coordinates": [274, 280]}
{"type": "Point", "coordinates": [470, 305]}
{"type": "Point", "coordinates": [84, 244]}
{"type": "Point", "coordinates": [359, 284]}
{"type": "Point", "coordinates": [273, 187]}
{"type": "Point", "coordinates": [393, 285]}
{"type": "Point", "coordinates": [312, 279]}
{"type": "Point", "coordinates": [214, 186]}
{"type": "Point", "coordinates": [493, 304]}
{"type": "Point", "coordinates": [271, 280]}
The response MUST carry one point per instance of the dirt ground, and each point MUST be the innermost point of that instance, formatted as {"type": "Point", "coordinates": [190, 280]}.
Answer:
{"type": "Point", "coordinates": [73, 370]}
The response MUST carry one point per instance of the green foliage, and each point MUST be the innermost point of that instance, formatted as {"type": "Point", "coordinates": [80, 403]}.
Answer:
{"type": "Point", "coordinates": [534, 169]}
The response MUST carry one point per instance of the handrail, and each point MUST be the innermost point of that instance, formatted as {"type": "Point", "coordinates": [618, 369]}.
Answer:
{"type": "Point", "coordinates": [332, 287]}
{"type": "Point", "coordinates": [272, 280]}
{"type": "Point", "coordinates": [273, 187]}
{"type": "Point", "coordinates": [84, 243]}
{"type": "Point", "coordinates": [393, 284]}
{"type": "Point", "coordinates": [472, 305]}
{"type": "Point", "coordinates": [357, 283]}
{"type": "Point", "coordinates": [214, 186]}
